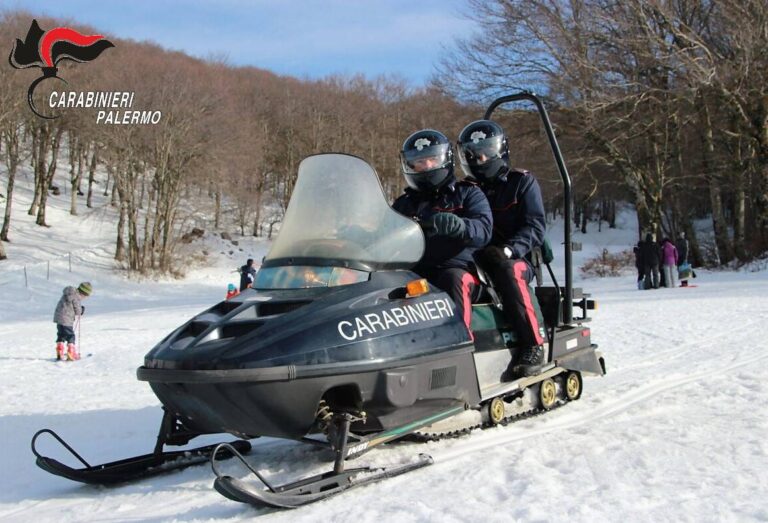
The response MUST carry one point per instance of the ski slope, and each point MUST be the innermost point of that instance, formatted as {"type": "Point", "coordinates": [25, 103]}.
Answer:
{"type": "Point", "coordinates": [674, 432]}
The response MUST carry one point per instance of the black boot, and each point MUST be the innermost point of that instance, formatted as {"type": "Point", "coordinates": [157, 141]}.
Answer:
{"type": "Point", "coordinates": [531, 361]}
{"type": "Point", "coordinates": [509, 373]}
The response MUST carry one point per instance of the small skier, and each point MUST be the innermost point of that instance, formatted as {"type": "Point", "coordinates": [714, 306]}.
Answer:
{"type": "Point", "coordinates": [231, 291]}
{"type": "Point", "coordinates": [68, 312]}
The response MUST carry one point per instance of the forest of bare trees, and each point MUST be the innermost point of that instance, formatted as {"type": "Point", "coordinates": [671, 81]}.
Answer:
{"type": "Point", "coordinates": [667, 98]}
{"type": "Point", "coordinates": [662, 104]}
{"type": "Point", "coordinates": [235, 134]}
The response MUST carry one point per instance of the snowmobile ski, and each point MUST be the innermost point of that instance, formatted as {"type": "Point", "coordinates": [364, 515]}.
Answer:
{"type": "Point", "coordinates": [304, 491]}
{"type": "Point", "coordinates": [129, 469]}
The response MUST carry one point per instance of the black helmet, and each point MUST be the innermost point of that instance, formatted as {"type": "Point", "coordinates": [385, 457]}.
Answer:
{"type": "Point", "coordinates": [427, 160]}
{"type": "Point", "coordinates": [483, 150]}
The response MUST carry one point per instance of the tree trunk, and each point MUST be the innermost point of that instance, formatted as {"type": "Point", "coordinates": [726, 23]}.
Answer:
{"type": "Point", "coordinates": [120, 242]}
{"type": "Point", "coordinates": [76, 156]}
{"type": "Point", "coordinates": [39, 150]}
{"type": "Point", "coordinates": [217, 209]}
{"type": "Point", "coordinates": [611, 218]}
{"type": "Point", "coordinates": [48, 176]}
{"type": "Point", "coordinates": [91, 176]}
{"type": "Point", "coordinates": [257, 217]}
{"type": "Point", "coordinates": [11, 139]}
{"type": "Point", "coordinates": [724, 252]}
{"type": "Point", "coordinates": [113, 199]}
{"type": "Point", "coordinates": [740, 217]}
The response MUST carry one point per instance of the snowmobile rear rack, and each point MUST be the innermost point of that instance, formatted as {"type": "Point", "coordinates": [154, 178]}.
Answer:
{"type": "Point", "coordinates": [136, 467]}
{"type": "Point", "coordinates": [567, 313]}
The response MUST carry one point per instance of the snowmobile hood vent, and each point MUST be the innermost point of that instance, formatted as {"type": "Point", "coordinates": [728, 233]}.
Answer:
{"type": "Point", "coordinates": [275, 308]}
{"type": "Point", "coordinates": [212, 327]}
{"type": "Point", "coordinates": [226, 307]}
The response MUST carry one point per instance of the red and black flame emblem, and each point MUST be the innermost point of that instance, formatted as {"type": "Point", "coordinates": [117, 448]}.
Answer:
{"type": "Point", "coordinates": [45, 49]}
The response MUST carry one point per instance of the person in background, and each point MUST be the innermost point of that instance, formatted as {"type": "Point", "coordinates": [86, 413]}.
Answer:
{"type": "Point", "coordinates": [455, 217]}
{"type": "Point", "coordinates": [519, 227]}
{"type": "Point", "coordinates": [669, 260]}
{"type": "Point", "coordinates": [638, 265]}
{"type": "Point", "coordinates": [68, 312]}
{"type": "Point", "coordinates": [231, 291]}
{"type": "Point", "coordinates": [682, 255]}
{"type": "Point", "coordinates": [247, 275]}
{"type": "Point", "coordinates": [650, 256]}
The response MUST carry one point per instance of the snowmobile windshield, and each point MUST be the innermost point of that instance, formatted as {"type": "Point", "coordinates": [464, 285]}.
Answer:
{"type": "Point", "coordinates": [306, 276]}
{"type": "Point", "coordinates": [338, 216]}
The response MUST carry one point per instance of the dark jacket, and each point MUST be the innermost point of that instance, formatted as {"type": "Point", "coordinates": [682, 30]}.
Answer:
{"type": "Point", "coordinates": [464, 199]}
{"type": "Point", "coordinates": [247, 276]}
{"type": "Point", "coordinates": [519, 221]}
{"type": "Point", "coordinates": [649, 252]}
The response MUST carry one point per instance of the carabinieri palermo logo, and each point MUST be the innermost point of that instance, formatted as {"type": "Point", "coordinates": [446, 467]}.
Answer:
{"type": "Point", "coordinates": [45, 49]}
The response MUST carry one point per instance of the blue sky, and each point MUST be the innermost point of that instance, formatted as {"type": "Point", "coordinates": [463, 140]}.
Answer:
{"type": "Point", "coordinates": [303, 38]}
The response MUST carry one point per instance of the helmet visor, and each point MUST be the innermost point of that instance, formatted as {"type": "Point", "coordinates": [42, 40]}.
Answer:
{"type": "Point", "coordinates": [478, 152]}
{"type": "Point", "coordinates": [426, 159]}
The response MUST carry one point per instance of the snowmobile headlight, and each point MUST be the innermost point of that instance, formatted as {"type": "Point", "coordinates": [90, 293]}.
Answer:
{"type": "Point", "coordinates": [416, 288]}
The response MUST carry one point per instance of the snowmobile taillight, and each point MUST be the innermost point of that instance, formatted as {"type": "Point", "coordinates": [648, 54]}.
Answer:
{"type": "Point", "coordinates": [585, 333]}
{"type": "Point", "coordinates": [416, 288]}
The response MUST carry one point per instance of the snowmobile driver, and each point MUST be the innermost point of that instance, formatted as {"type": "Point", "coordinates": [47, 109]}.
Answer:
{"type": "Point", "coordinates": [518, 227]}
{"type": "Point", "coordinates": [454, 214]}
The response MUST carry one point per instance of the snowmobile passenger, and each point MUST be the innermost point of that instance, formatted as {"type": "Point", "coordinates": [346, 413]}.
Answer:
{"type": "Point", "coordinates": [247, 275]}
{"type": "Point", "coordinates": [68, 311]}
{"type": "Point", "coordinates": [455, 217]}
{"type": "Point", "coordinates": [518, 227]}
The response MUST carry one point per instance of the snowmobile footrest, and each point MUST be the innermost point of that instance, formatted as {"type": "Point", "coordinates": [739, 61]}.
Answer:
{"type": "Point", "coordinates": [130, 469]}
{"type": "Point", "coordinates": [303, 491]}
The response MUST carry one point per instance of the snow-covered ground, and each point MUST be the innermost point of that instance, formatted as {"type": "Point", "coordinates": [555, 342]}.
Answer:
{"type": "Point", "coordinates": [674, 432]}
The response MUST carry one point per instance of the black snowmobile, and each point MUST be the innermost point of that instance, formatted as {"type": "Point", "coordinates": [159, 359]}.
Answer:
{"type": "Point", "coordinates": [340, 345]}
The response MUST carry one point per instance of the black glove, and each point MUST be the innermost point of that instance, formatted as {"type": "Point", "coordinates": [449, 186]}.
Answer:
{"type": "Point", "coordinates": [82, 310]}
{"type": "Point", "coordinates": [492, 255]}
{"type": "Point", "coordinates": [447, 224]}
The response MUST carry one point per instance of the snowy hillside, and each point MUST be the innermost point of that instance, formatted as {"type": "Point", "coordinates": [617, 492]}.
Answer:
{"type": "Point", "coordinates": [674, 432]}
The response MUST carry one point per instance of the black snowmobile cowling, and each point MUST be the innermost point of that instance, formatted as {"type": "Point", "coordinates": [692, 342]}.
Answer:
{"type": "Point", "coordinates": [329, 313]}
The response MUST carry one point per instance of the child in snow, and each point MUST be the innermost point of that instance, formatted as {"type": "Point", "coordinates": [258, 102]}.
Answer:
{"type": "Point", "coordinates": [68, 311]}
{"type": "Point", "coordinates": [231, 291]}
{"type": "Point", "coordinates": [669, 259]}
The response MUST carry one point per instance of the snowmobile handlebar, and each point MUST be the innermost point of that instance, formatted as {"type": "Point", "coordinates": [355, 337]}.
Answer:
{"type": "Point", "coordinates": [532, 97]}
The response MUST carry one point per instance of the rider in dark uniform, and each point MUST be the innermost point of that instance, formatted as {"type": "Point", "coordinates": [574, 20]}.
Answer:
{"type": "Point", "coordinates": [518, 227]}
{"type": "Point", "coordinates": [455, 216]}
